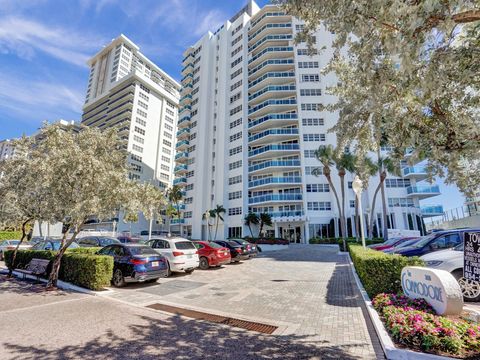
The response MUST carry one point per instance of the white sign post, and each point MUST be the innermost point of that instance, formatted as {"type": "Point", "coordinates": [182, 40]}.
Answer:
{"type": "Point", "coordinates": [438, 287]}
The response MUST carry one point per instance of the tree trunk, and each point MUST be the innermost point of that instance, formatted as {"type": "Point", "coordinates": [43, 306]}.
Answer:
{"type": "Point", "coordinates": [24, 234]}
{"type": "Point", "coordinates": [370, 223]}
{"type": "Point", "coordinates": [384, 211]}
{"type": "Point", "coordinates": [343, 220]}
{"type": "Point", "coordinates": [53, 278]}
{"type": "Point", "coordinates": [357, 229]}
{"type": "Point", "coordinates": [326, 172]}
{"type": "Point", "coordinates": [250, 228]}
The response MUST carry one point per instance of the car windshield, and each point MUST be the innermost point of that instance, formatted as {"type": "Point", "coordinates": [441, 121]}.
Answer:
{"type": "Point", "coordinates": [389, 242]}
{"type": "Point", "coordinates": [424, 240]}
{"type": "Point", "coordinates": [184, 245]}
{"type": "Point", "coordinates": [108, 241]}
{"type": "Point", "coordinates": [141, 250]}
{"type": "Point", "coordinates": [233, 243]}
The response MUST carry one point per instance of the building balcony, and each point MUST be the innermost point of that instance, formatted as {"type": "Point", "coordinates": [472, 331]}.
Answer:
{"type": "Point", "coordinates": [183, 122]}
{"type": "Point", "coordinates": [275, 198]}
{"type": "Point", "coordinates": [186, 89]}
{"type": "Point", "coordinates": [273, 90]}
{"type": "Point", "coordinates": [274, 151]}
{"type": "Point", "coordinates": [274, 181]}
{"type": "Point", "coordinates": [271, 120]}
{"type": "Point", "coordinates": [271, 40]}
{"type": "Point", "coordinates": [184, 109]}
{"type": "Point", "coordinates": [273, 52]}
{"type": "Point", "coordinates": [271, 78]}
{"type": "Point", "coordinates": [434, 210]}
{"type": "Point", "coordinates": [181, 157]}
{"type": "Point", "coordinates": [415, 172]}
{"type": "Point", "coordinates": [423, 191]}
{"type": "Point", "coordinates": [276, 135]}
{"type": "Point", "coordinates": [177, 221]}
{"type": "Point", "coordinates": [271, 65]}
{"type": "Point", "coordinates": [269, 28]}
{"type": "Point", "coordinates": [187, 79]}
{"type": "Point", "coordinates": [186, 99]}
{"type": "Point", "coordinates": [268, 166]}
{"type": "Point", "coordinates": [180, 169]}
{"type": "Point", "coordinates": [180, 181]}
{"type": "Point", "coordinates": [187, 68]}
{"type": "Point", "coordinates": [182, 145]}
{"type": "Point", "coordinates": [179, 207]}
{"type": "Point", "coordinates": [269, 13]}
{"type": "Point", "coordinates": [285, 214]}
{"type": "Point", "coordinates": [183, 134]}
{"type": "Point", "coordinates": [272, 105]}
{"type": "Point", "coordinates": [187, 59]}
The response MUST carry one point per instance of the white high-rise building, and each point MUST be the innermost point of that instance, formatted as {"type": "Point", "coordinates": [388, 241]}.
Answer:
{"type": "Point", "coordinates": [249, 123]}
{"type": "Point", "coordinates": [128, 91]}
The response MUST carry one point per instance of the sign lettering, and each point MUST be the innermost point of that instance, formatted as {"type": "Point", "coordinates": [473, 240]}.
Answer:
{"type": "Point", "coordinates": [471, 251]}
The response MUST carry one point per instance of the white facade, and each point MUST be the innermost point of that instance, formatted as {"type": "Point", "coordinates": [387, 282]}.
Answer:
{"type": "Point", "coordinates": [6, 149]}
{"type": "Point", "coordinates": [128, 91]}
{"type": "Point", "coordinates": [248, 126]}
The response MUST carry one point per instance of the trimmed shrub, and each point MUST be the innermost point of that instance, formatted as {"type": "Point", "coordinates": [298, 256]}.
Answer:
{"type": "Point", "coordinates": [84, 250]}
{"type": "Point", "coordinates": [10, 235]}
{"type": "Point", "coordinates": [380, 272]}
{"type": "Point", "coordinates": [83, 269]}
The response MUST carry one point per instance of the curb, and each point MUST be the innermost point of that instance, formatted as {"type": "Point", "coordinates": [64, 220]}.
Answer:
{"type": "Point", "coordinates": [391, 352]}
{"type": "Point", "coordinates": [60, 284]}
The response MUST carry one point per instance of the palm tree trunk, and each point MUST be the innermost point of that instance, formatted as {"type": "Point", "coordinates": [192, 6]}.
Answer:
{"type": "Point", "coordinates": [250, 228]}
{"type": "Point", "coordinates": [384, 212]}
{"type": "Point", "coordinates": [216, 228]}
{"type": "Point", "coordinates": [370, 223]}
{"type": "Point", "coordinates": [330, 183]}
{"type": "Point", "coordinates": [342, 219]}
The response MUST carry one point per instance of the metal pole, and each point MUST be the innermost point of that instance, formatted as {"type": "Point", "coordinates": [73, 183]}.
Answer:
{"type": "Point", "coordinates": [361, 219]}
{"type": "Point", "coordinates": [150, 228]}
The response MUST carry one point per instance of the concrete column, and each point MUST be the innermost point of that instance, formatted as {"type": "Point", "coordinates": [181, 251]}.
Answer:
{"type": "Point", "coordinates": [306, 235]}
{"type": "Point", "coordinates": [276, 229]}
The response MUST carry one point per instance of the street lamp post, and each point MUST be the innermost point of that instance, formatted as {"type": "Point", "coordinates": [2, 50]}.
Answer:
{"type": "Point", "coordinates": [357, 186]}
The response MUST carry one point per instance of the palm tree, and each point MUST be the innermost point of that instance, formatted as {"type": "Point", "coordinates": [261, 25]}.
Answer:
{"type": "Point", "coordinates": [170, 212]}
{"type": "Point", "coordinates": [384, 166]}
{"type": "Point", "coordinates": [219, 210]}
{"type": "Point", "coordinates": [367, 168]}
{"type": "Point", "coordinates": [265, 220]}
{"type": "Point", "coordinates": [325, 154]}
{"type": "Point", "coordinates": [251, 219]}
{"type": "Point", "coordinates": [344, 162]}
{"type": "Point", "coordinates": [211, 215]}
{"type": "Point", "coordinates": [174, 195]}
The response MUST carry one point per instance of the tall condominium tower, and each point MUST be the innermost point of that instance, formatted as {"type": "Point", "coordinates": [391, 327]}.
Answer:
{"type": "Point", "coordinates": [128, 91]}
{"type": "Point", "coordinates": [249, 124]}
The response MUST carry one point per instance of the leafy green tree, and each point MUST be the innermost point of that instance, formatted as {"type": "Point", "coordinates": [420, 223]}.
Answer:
{"type": "Point", "coordinates": [219, 211]}
{"type": "Point", "coordinates": [171, 212]}
{"type": "Point", "coordinates": [251, 219]}
{"type": "Point", "coordinates": [410, 68]}
{"type": "Point", "coordinates": [265, 219]}
{"type": "Point", "coordinates": [150, 200]}
{"type": "Point", "coordinates": [175, 196]}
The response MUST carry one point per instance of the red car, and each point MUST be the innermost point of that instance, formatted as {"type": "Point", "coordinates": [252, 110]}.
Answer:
{"type": "Point", "coordinates": [212, 254]}
{"type": "Point", "coordinates": [390, 243]}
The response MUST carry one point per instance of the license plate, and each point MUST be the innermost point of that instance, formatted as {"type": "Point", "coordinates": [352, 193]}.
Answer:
{"type": "Point", "coordinates": [154, 263]}
{"type": "Point", "coordinates": [189, 256]}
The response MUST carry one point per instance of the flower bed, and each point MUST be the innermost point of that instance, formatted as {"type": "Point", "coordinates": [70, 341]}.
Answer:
{"type": "Point", "coordinates": [414, 324]}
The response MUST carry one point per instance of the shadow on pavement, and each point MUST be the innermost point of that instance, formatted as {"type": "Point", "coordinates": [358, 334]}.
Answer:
{"type": "Point", "coordinates": [179, 338]}
{"type": "Point", "coordinates": [304, 253]}
{"type": "Point", "coordinates": [27, 287]}
{"type": "Point", "coordinates": [340, 288]}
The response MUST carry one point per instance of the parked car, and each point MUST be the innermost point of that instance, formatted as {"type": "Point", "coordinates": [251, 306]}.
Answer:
{"type": "Point", "coordinates": [180, 253]}
{"type": "Point", "coordinates": [436, 241]}
{"type": "Point", "coordinates": [97, 241]}
{"type": "Point", "coordinates": [127, 238]}
{"type": "Point", "coordinates": [390, 243]}
{"type": "Point", "coordinates": [237, 251]}
{"type": "Point", "coordinates": [451, 260]}
{"type": "Point", "coordinates": [212, 254]}
{"type": "Point", "coordinates": [395, 249]}
{"type": "Point", "coordinates": [11, 245]}
{"type": "Point", "coordinates": [155, 233]}
{"type": "Point", "coordinates": [52, 244]}
{"type": "Point", "coordinates": [135, 263]}
{"type": "Point", "coordinates": [251, 248]}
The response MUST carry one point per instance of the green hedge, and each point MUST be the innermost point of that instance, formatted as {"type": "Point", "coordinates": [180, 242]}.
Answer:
{"type": "Point", "coordinates": [10, 235]}
{"type": "Point", "coordinates": [339, 241]}
{"type": "Point", "coordinates": [380, 272]}
{"type": "Point", "coordinates": [86, 270]}
{"type": "Point", "coordinates": [85, 250]}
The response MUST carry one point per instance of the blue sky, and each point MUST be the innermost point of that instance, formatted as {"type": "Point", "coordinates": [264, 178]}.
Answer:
{"type": "Point", "coordinates": [44, 45]}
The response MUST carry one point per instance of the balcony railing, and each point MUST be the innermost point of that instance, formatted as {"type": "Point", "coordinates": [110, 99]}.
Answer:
{"type": "Point", "coordinates": [186, 107]}
{"type": "Point", "coordinates": [185, 98]}
{"type": "Point", "coordinates": [178, 221]}
{"type": "Point", "coordinates": [270, 26]}
{"type": "Point", "coordinates": [271, 62]}
{"type": "Point", "coordinates": [274, 148]}
{"type": "Point", "coordinates": [270, 13]}
{"type": "Point", "coordinates": [182, 167]}
{"type": "Point", "coordinates": [183, 131]}
{"type": "Point", "coordinates": [272, 102]}
{"type": "Point", "coordinates": [262, 134]}
{"type": "Point", "coordinates": [182, 143]}
{"type": "Point", "coordinates": [276, 180]}
{"type": "Point", "coordinates": [183, 154]}
{"type": "Point", "coordinates": [272, 88]}
{"type": "Point", "coordinates": [288, 74]}
{"type": "Point", "coordinates": [432, 210]}
{"type": "Point", "coordinates": [423, 189]}
{"type": "Point", "coordinates": [267, 38]}
{"type": "Point", "coordinates": [271, 49]}
{"type": "Point", "coordinates": [186, 67]}
{"type": "Point", "coordinates": [274, 163]}
{"type": "Point", "coordinates": [277, 214]}
{"type": "Point", "coordinates": [412, 170]}
{"type": "Point", "coordinates": [288, 116]}
{"type": "Point", "coordinates": [275, 197]}
{"type": "Point", "coordinates": [182, 180]}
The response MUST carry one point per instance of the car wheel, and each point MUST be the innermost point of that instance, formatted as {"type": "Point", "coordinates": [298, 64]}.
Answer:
{"type": "Point", "coordinates": [470, 289]}
{"type": "Point", "coordinates": [118, 279]}
{"type": "Point", "coordinates": [169, 272]}
{"type": "Point", "coordinates": [203, 263]}
{"type": "Point", "coordinates": [189, 271]}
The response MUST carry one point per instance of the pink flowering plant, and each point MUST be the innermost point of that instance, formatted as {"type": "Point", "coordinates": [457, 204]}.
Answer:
{"type": "Point", "coordinates": [414, 324]}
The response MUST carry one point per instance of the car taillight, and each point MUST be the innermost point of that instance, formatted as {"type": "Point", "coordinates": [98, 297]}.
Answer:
{"type": "Point", "coordinates": [178, 253]}
{"type": "Point", "coordinates": [137, 261]}
{"type": "Point", "coordinates": [11, 247]}
{"type": "Point", "coordinates": [239, 250]}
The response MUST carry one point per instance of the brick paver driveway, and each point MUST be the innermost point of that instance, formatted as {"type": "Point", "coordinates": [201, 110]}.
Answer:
{"type": "Point", "coordinates": [308, 291]}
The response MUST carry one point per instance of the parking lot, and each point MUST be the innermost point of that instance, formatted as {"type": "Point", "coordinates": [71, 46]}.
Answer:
{"type": "Point", "coordinates": [307, 291]}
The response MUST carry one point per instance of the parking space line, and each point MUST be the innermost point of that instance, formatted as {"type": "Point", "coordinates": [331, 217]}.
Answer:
{"type": "Point", "coordinates": [42, 305]}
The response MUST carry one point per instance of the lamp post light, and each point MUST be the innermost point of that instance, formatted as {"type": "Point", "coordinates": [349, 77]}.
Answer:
{"type": "Point", "coordinates": [357, 186]}
{"type": "Point", "coordinates": [207, 218]}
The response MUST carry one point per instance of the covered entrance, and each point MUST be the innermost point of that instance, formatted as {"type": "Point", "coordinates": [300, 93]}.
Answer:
{"type": "Point", "coordinates": [292, 232]}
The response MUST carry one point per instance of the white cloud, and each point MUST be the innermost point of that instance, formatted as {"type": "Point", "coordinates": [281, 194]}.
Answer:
{"type": "Point", "coordinates": [211, 21]}
{"type": "Point", "coordinates": [25, 37]}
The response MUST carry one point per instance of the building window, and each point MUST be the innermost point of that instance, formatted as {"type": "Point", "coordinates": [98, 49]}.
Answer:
{"type": "Point", "coordinates": [236, 73]}
{"type": "Point", "coordinates": [308, 64]}
{"type": "Point", "coordinates": [397, 183]}
{"type": "Point", "coordinates": [235, 232]}
{"type": "Point", "coordinates": [400, 202]}
{"type": "Point", "coordinates": [236, 110]}
{"type": "Point", "coordinates": [310, 92]}
{"type": "Point", "coordinates": [235, 180]}
{"type": "Point", "coordinates": [235, 165]}
{"type": "Point", "coordinates": [141, 121]}
{"type": "Point", "coordinates": [166, 142]}
{"type": "Point", "coordinates": [235, 97]}
{"type": "Point", "coordinates": [319, 206]}
{"type": "Point", "coordinates": [139, 130]}
{"type": "Point", "coordinates": [236, 85]}
{"type": "Point", "coordinates": [309, 169]}
{"type": "Point", "coordinates": [310, 78]}
{"type": "Point", "coordinates": [235, 150]}
{"type": "Point", "coordinates": [309, 153]}
{"type": "Point", "coordinates": [311, 107]}
{"type": "Point", "coordinates": [137, 148]}
{"type": "Point", "coordinates": [313, 137]}
{"type": "Point", "coordinates": [235, 195]}
{"type": "Point", "coordinates": [187, 214]}
{"type": "Point", "coordinates": [236, 136]}
{"type": "Point", "coordinates": [138, 139]}
{"type": "Point", "coordinates": [236, 62]}
{"type": "Point", "coordinates": [318, 188]}
{"type": "Point", "coordinates": [313, 122]}
{"type": "Point", "coordinates": [235, 211]}
{"type": "Point", "coordinates": [307, 52]}
{"type": "Point", "coordinates": [165, 158]}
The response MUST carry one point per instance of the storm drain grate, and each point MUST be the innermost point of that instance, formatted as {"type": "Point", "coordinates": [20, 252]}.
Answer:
{"type": "Point", "coordinates": [243, 324]}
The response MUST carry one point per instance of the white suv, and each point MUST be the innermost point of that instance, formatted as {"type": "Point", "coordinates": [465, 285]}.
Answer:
{"type": "Point", "coordinates": [181, 254]}
{"type": "Point", "coordinates": [451, 260]}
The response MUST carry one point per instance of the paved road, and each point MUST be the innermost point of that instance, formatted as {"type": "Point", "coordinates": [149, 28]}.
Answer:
{"type": "Point", "coordinates": [308, 292]}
